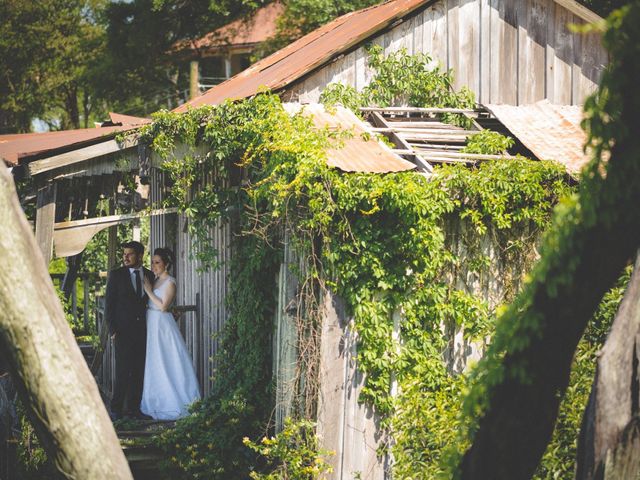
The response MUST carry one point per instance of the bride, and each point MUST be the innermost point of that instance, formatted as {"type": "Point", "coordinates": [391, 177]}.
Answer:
{"type": "Point", "coordinates": [170, 383]}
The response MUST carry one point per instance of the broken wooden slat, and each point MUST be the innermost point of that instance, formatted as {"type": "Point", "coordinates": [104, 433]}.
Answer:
{"type": "Point", "coordinates": [379, 121]}
{"type": "Point", "coordinates": [79, 155]}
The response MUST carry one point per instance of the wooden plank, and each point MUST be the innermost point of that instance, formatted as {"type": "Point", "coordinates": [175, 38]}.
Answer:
{"type": "Point", "coordinates": [575, 66]}
{"type": "Point", "coordinates": [532, 38]}
{"type": "Point", "coordinates": [418, 33]}
{"type": "Point", "coordinates": [400, 142]}
{"type": "Point", "coordinates": [484, 37]}
{"type": "Point", "coordinates": [594, 59]}
{"type": "Point", "coordinates": [111, 218]}
{"type": "Point", "coordinates": [400, 37]}
{"type": "Point", "coordinates": [45, 219]}
{"type": "Point", "coordinates": [437, 15]}
{"type": "Point", "coordinates": [79, 155]}
{"type": "Point", "coordinates": [549, 54]}
{"type": "Point", "coordinates": [422, 131]}
{"type": "Point", "coordinates": [418, 110]}
{"type": "Point", "coordinates": [504, 40]}
{"type": "Point", "coordinates": [563, 57]}
{"type": "Point", "coordinates": [580, 11]}
{"type": "Point", "coordinates": [468, 70]}
{"type": "Point", "coordinates": [362, 74]}
{"type": "Point", "coordinates": [453, 40]}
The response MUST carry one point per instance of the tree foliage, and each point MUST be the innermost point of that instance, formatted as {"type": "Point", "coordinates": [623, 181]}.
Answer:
{"type": "Point", "coordinates": [49, 52]}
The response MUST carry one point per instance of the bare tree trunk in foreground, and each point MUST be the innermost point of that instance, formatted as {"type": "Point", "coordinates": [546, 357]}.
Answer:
{"type": "Point", "coordinates": [609, 446]}
{"type": "Point", "coordinates": [52, 377]}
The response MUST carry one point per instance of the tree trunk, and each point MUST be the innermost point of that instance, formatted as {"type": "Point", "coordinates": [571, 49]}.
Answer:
{"type": "Point", "coordinates": [609, 433]}
{"type": "Point", "coordinates": [526, 372]}
{"type": "Point", "coordinates": [45, 362]}
{"type": "Point", "coordinates": [71, 107]}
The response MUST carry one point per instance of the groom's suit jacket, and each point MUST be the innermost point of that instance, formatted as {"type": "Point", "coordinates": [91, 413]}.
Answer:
{"type": "Point", "coordinates": [125, 311]}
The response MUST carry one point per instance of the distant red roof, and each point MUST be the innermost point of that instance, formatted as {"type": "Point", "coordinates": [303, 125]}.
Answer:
{"type": "Point", "coordinates": [120, 119]}
{"type": "Point", "coordinates": [243, 32]}
{"type": "Point", "coordinates": [308, 53]}
{"type": "Point", "coordinates": [14, 148]}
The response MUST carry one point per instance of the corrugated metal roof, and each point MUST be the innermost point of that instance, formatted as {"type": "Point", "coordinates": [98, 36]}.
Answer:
{"type": "Point", "coordinates": [308, 53]}
{"type": "Point", "coordinates": [551, 132]}
{"type": "Point", "coordinates": [121, 119]}
{"type": "Point", "coordinates": [361, 152]}
{"type": "Point", "coordinates": [16, 147]}
{"type": "Point", "coordinates": [257, 28]}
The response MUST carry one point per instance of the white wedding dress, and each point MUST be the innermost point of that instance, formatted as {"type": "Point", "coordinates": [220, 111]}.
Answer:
{"type": "Point", "coordinates": [170, 383]}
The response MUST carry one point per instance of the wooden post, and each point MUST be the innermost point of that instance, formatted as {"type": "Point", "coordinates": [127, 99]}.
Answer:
{"type": "Point", "coordinates": [112, 247]}
{"type": "Point", "coordinates": [194, 80]}
{"type": "Point", "coordinates": [85, 317]}
{"type": "Point", "coordinates": [45, 218]}
{"type": "Point", "coordinates": [136, 229]}
{"type": "Point", "coordinates": [74, 301]}
{"type": "Point", "coordinates": [227, 67]}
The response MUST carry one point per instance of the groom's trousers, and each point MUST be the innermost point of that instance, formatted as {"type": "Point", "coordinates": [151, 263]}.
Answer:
{"type": "Point", "coordinates": [130, 349]}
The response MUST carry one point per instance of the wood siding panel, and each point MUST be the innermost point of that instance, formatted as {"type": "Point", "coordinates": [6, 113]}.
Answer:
{"type": "Point", "coordinates": [453, 39]}
{"type": "Point", "coordinates": [592, 62]}
{"type": "Point", "coordinates": [532, 33]}
{"type": "Point", "coordinates": [563, 57]}
{"type": "Point", "coordinates": [506, 51]}
{"type": "Point", "coordinates": [484, 36]}
{"type": "Point", "coordinates": [437, 16]}
{"type": "Point", "coordinates": [468, 73]}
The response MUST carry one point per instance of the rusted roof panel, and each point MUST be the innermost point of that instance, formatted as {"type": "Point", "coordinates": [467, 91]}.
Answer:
{"type": "Point", "coordinates": [120, 119]}
{"type": "Point", "coordinates": [361, 152]}
{"type": "Point", "coordinates": [17, 147]}
{"type": "Point", "coordinates": [551, 132]}
{"type": "Point", "coordinates": [308, 53]}
{"type": "Point", "coordinates": [257, 28]}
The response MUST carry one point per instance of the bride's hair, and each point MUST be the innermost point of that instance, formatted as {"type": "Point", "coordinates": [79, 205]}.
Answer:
{"type": "Point", "coordinates": [166, 255]}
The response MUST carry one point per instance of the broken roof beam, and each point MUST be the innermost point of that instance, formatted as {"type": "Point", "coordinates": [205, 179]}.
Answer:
{"type": "Point", "coordinates": [400, 142]}
{"type": "Point", "coordinates": [79, 155]}
{"type": "Point", "coordinates": [423, 130]}
{"type": "Point", "coordinates": [453, 156]}
{"type": "Point", "coordinates": [463, 111]}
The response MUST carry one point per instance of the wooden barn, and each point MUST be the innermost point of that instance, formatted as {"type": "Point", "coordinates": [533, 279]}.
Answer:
{"type": "Point", "coordinates": [526, 67]}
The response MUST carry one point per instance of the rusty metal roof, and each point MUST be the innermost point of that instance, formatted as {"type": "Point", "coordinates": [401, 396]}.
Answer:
{"type": "Point", "coordinates": [359, 153]}
{"type": "Point", "coordinates": [18, 147]}
{"type": "Point", "coordinates": [121, 119]}
{"type": "Point", "coordinates": [254, 29]}
{"type": "Point", "coordinates": [551, 132]}
{"type": "Point", "coordinates": [308, 53]}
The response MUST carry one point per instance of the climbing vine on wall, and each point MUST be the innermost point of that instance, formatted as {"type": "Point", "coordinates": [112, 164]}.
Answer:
{"type": "Point", "coordinates": [379, 241]}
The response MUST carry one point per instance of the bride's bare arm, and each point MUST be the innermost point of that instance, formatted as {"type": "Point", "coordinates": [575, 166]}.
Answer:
{"type": "Point", "coordinates": [162, 304]}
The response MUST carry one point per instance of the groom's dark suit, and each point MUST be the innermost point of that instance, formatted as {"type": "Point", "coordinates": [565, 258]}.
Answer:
{"type": "Point", "coordinates": [125, 312]}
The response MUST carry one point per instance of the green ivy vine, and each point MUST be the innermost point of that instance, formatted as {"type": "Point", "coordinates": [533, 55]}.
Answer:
{"type": "Point", "coordinates": [381, 242]}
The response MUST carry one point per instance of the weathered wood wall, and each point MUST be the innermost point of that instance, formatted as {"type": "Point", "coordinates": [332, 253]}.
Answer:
{"type": "Point", "coordinates": [207, 291]}
{"type": "Point", "coordinates": [506, 51]}
{"type": "Point", "coordinates": [350, 428]}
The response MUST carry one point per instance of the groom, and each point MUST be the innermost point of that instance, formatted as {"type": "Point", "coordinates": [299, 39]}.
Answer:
{"type": "Point", "coordinates": [125, 313]}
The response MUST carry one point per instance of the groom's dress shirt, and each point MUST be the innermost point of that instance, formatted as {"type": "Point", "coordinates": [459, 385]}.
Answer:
{"type": "Point", "coordinates": [132, 274]}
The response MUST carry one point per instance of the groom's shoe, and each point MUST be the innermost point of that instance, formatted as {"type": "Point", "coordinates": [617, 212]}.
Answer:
{"type": "Point", "coordinates": [141, 416]}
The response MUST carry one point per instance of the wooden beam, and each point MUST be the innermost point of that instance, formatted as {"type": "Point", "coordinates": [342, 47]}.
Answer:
{"type": "Point", "coordinates": [194, 80]}
{"type": "Point", "coordinates": [85, 222]}
{"type": "Point", "coordinates": [112, 248]}
{"type": "Point", "coordinates": [401, 143]}
{"type": "Point", "coordinates": [79, 155]}
{"type": "Point", "coordinates": [45, 219]}
{"type": "Point", "coordinates": [425, 131]}
{"type": "Point", "coordinates": [579, 10]}
{"type": "Point", "coordinates": [420, 110]}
